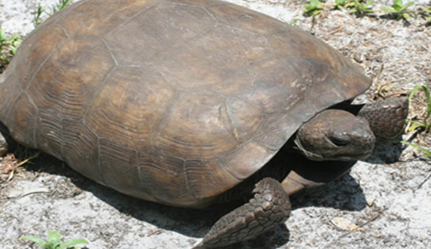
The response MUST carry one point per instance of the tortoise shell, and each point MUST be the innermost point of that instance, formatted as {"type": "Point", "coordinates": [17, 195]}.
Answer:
{"type": "Point", "coordinates": [172, 101]}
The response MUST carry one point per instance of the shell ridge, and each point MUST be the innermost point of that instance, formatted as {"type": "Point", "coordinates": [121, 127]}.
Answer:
{"type": "Point", "coordinates": [44, 62]}
{"type": "Point", "coordinates": [97, 92]}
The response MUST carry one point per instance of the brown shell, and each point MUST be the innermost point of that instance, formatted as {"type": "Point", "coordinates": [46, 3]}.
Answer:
{"type": "Point", "coordinates": [172, 101]}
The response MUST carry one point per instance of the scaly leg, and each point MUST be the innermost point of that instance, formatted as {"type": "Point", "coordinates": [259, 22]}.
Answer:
{"type": "Point", "coordinates": [269, 207]}
{"type": "Point", "coordinates": [387, 118]}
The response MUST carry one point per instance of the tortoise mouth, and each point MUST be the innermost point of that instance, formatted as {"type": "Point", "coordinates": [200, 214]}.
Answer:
{"type": "Point", "coordinates": [349, 157]}
{"type": "Point", "coordinates": [360, 155]}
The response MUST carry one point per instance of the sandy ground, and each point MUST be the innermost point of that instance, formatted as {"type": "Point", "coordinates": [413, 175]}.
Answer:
{"type": "Point", "coordinates": [384, 202]}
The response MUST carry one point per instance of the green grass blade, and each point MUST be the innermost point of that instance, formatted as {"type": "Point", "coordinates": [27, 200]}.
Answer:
{"type": "Point", "coordinates": [36, 240]}
{"type": "Point", "coordinates": [428, 96]}
{"type": "Point", "coordinates": [414, 92]}
{"type": "Point", "coordinates": [54, 238]}
{"type": "Point", "coordinates": [72, 242]}
{"type": "Point", "coordinates": [408, 5]}
{"type": "Point", "coordinates": [426, 152]}
{"type": "Point", "coordinates": [387, 9]}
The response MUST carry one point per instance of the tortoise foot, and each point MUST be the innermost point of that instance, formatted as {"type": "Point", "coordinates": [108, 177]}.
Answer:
{"type": "Point", "coordinates": [387, 118]}
{"type": "Point", "coordinates": [269, 207]}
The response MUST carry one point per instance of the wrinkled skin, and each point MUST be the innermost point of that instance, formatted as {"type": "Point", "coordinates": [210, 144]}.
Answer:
{"type": "Point", "coordinates": [336, 135]}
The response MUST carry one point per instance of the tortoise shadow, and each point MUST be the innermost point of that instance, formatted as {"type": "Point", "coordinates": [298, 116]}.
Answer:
{"type": "Point", "coordinates": [189, 222]}
{"type": "Point", "coordinates": [193, 222]}
{"type": "Point", "coordinates": [343, 193]}
{"type": "Point", "coordinates": [386, 152]}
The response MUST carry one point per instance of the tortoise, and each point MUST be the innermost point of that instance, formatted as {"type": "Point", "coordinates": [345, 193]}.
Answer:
{"type": "Point", "coordinates": [189, 103]}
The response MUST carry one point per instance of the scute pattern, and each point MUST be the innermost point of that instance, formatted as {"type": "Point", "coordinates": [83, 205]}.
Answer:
{"type": "Point", "coordinates": [157, 29]}
{"type": "Point", "coordinates": [156, 170]}
{"type": "Point", "coordinates": [208, 62]}
{"type": "Point", "coordinates": [101, 17]}
{"type": "Point", "coordinates": [246, 160]}
{"type": "Point", "coordinates": [79, 151]}
{"type": "Point", "coordinates": [68, 81]}
{"type": "Point", "coordinates": [38, 47]}
{"type": "Point", "coordinates": [194, 129]}
{"type": "Point", "coordinates": [23, 118]}
{"type": "Point", "coordinates": [130, 107]}
{"type": "Point", "coordinates": [49, 133]}
{"type": "Point", "coordinates": [173, 101]}
{"type": "Point", "coordinates": [204, 178]}
{"type": "Point", "coordinates": [245, 19]}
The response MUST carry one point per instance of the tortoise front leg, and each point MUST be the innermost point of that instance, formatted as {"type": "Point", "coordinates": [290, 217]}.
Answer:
{"type": "Point", "coordinates": [269, 207]}
{"type": "Point", "coordinates": [387, 118]}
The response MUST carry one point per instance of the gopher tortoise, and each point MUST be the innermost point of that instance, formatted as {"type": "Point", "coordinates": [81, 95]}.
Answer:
{"type": "Point", "coordinates": [189, 103]}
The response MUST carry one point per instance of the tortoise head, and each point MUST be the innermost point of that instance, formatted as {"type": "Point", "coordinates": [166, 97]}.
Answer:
{"type": "Point", "coordinates": [335, 135]}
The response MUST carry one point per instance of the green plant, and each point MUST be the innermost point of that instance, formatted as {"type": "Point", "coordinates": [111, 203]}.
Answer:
{"type": "Point", "coordinates": [8, 47]}
{"type": "Point", "coordinates": [359, 7]}
{"type": "Point", "coordinates": [61, 4]}
{"type": "Point", "coordinates": [426, 152]}
{"type": "Point", "coordinates": [343, 4]}
{"type": "Point", "coordinates": [428, 13]}
{"type": "Point", "coordinates": [421, 125]}
{"type": "Point", "coordinates": [54, 241]}
{"type": "Point", "coordinates": [313, 8]}
{"type": "Point", "coordinates": [37, 15]}
{"type": "Point", "coordinates": [399, 10]}
{"type": "Point", "coordinates": [340, 4]}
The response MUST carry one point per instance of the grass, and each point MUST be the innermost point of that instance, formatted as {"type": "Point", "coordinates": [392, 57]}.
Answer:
{"type": "Point", "coordinates": [399, 10]}
{"type": "Point", "coordinates": [8, 47]}
{"type": "Point", "coordinates": [9, 44]}
{"type": "Point", "coordinates": [54, 241]}
{"type": "Point", "coordinates": [424, 124]}
{"type": "Point", "coordinates": [37, 15]}
{"type": "Point", "coordinates": [313, 8]}
{"type": "Point", "coordinates": [361, 8]}
{"type": "Point", "coordinates": [61, 4]}
{"type": "Point", "coordinates": [426, 12]}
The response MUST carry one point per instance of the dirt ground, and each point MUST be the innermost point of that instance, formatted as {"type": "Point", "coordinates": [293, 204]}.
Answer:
{"type": "Point", "coordinates": [384, 202]}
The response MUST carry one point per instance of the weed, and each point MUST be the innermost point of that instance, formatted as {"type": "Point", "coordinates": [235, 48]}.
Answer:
{"type": "Point", "coordinates": [423, 125]}
{"type": "Point", "coordinates": [313, 8]}
{"type": "Point", "coordinates": [427, 14]}
{"type": "Point", "coordinates": [361, 8]}
{"type": "Point", "coordinates": [342, 4]}
{"type": "Point", "coordinates": [8, 47]}
{"type": "Point", "coordinates": [399, 10]}
{"type": "Point", "coordinates": [61, 4]}
{"type": "Point", "coordinates": [54, 241]}
{"type": "Point", "coordinates": [37, 15]}
{"type": "Point", "coordinates": [426, 152]}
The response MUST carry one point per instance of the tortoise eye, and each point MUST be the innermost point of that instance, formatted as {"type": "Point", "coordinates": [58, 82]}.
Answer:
{"type": "Point", "coordinates": [339, 139]}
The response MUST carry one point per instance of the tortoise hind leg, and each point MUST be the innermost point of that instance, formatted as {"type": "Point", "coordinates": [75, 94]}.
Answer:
{"type": "Point", "coordinates": [387, 118]}
{"type": "Point", "coordinates": [269, 207]}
